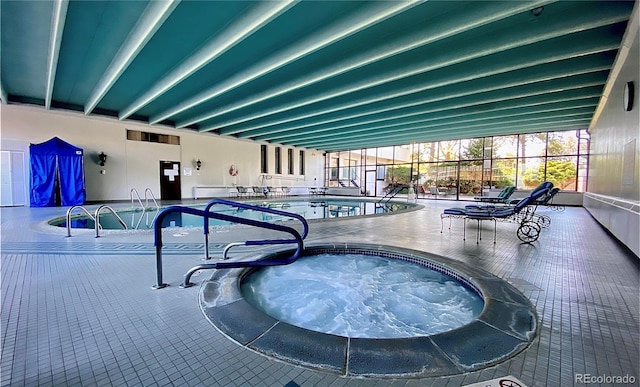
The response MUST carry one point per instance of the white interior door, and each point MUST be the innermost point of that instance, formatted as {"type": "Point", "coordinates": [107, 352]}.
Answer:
{"type": "Point", "coordinates": [12, 179]}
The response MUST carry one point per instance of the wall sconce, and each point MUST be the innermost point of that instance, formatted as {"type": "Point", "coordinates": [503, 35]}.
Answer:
{"type": "Point", "coordinates": [103, 158]}
{"type": "Point", "coordinates": [198, 164]}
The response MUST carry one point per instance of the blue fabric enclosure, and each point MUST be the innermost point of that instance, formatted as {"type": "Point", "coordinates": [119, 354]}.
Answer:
{"type": "Point", "coordinates": [56, 161]}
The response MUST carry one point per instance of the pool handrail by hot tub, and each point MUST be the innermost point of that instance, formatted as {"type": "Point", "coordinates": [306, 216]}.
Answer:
{"type": "Point", "coordinates": [207, 214]}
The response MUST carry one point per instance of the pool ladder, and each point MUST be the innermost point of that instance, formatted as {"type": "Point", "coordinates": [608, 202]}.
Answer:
{"type": "Point", "coordinates": [95, 217]}
{"type": "Point", "coordinates": [148, 194]}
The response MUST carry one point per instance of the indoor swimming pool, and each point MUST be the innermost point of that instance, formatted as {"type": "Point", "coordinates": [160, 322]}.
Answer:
{"type": "Point", "coordinates": [309, 208]}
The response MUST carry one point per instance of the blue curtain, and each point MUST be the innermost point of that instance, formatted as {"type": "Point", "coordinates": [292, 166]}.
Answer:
{"type": "Point", "coordinates": [72, 189]}
{"type": "Point", "coordinates": [56, 165]}
{"type": "Point", "coordinates": [43, 177]}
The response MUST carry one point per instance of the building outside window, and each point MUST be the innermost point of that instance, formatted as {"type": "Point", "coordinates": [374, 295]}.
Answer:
{"type": "Point", "coordinates": [459, 169]}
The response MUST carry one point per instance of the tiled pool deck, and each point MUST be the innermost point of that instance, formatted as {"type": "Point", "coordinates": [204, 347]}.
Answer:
{"type": "Point", "coordinates": [81, 311]}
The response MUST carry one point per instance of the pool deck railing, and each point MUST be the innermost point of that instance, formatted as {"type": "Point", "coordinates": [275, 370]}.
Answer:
{"type": "Point", "coordinates": [207, 214]}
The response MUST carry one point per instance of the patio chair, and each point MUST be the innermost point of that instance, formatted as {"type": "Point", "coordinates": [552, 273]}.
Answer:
{"type": "Point", "coordinates": [436, 191]}
{"type": "Point", "coordinates": [528, 231]}
{"type": "Point", "coordinates": [502, 197]}
{"type": "Point", "coordinates": [257, 191]}
{"type": "Point", "coordinates": [272, 192]}
{"type": "Point", "coordinates": [547, 199]}
{"type": "Point", "coordinates": [243, 192]}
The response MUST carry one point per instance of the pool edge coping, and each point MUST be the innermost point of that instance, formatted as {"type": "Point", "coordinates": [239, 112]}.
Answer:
{"type": "Point", "coordinates": [46, 226]}
{"type": "Point", "coordinates": [448, 353]}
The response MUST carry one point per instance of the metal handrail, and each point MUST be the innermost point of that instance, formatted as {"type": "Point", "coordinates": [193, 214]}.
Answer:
{"type": "Point", "coordinates": [146, 199]}
{"type": "Point", "coordinates": [305, 226]}
{"type": "Point", "coordinates": [149, 223]}
{"type": "Point", "coordinates": [133, 190]}
{"type": "Point", "coordinates": [135, 225]}
{"type": "Point", "coordinates": [97, 218]}
{"type": "Point", "coordinates": [234, 219]}
{"type": "Point", "coordinates": [69, 217]}
{"type": "Point", "coordinates": [392, 193]}
{"type": "Point", "coordinates": [225, 251]}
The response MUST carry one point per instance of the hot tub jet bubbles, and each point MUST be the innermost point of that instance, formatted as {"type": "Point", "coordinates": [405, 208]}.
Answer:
{"type": "Point", "coordinates": [356, 295]}
{"type": "Point", "coordinates": [506, 324]}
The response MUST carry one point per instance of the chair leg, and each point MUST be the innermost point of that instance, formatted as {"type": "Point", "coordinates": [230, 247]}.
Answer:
{"type": "Point", "coordinates": [464, 229]}
{"type": "Point", "coordinates": [495, 223]}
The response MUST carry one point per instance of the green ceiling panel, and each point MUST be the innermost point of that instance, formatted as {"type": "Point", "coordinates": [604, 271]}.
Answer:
{"type": "Point", "coordinates": [324, 75]}
{"type": "Point", "coordinates": [93, 34]}
{"type": "Point", "coordinates": [25, 24]}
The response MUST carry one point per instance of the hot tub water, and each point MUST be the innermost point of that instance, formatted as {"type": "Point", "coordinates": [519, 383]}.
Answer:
{"type": "Point", "coordinates": [362, 296]}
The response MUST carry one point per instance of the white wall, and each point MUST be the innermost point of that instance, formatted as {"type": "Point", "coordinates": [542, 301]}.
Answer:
{"type": "Point", "coordinates": [613, 196]}
{"type": "Point", "coordinates": [614, 130]}
{"type": "Point", "coordinates": [135, 164]}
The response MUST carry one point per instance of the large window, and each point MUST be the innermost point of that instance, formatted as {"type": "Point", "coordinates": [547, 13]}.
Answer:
{"type": "Point", "coordinates": [290, 161]}
{"type": "Point", "coordinates": [344, 169]}
{"type": "Point", "coordinates": [264, 161]}
{"type": "Point", "coordinates": [459, 169]}
{"type": "Point", "coordinates": [301, 163]}
{"type": "Point", "coordinates": [278, 156]}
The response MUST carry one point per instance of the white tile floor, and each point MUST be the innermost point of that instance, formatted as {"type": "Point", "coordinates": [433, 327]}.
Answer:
{"type": "Point", "coordinates": [81, 311]}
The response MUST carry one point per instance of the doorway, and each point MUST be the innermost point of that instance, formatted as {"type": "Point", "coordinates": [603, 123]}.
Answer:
{"type": "Point", "coordinates": [170, 180]}
{"type": "Point", "coordinates": [370, 182]}
{"type": "Point", "coordinates": [13, 179]}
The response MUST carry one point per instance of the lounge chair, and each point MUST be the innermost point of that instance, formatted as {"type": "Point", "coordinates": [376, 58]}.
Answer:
{"type": "Point", "coordinates": [529, 230]}
{"type": "Point", "coordinates": [257, 191]}
{"type": "Point", "coordinates": [547, 199]}
{"type": "Point", "coordinates": [436, 191]}
{"type": "Point", "coordinates": [502, 197]}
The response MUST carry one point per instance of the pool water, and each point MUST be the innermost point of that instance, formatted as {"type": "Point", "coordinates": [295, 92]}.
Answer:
{"type": "Point", "coordinates": [362, 296]}
{"type": "Point", "coordinates": [309, 209]}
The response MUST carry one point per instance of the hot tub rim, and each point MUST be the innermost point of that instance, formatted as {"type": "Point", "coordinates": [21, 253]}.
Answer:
{"type": "Point", "coordinates": [451, 354]}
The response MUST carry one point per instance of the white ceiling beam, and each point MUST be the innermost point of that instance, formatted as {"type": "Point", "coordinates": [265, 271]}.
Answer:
{"type": "Point", "coordinates": [454, 133]}
{"type": "Point", "coordinates": [58, 19]}
{"type": "Point", "coordinates": [491, 47]}
{"type": "Point", "coordinates": [446, 119]}
{"type": "Point", "coordinates": [236, 33]}
{"type": "Point", "coordinates": [292, 130]}
{"type": "Point", "coordinates": [381, 11]}
{"type": "Point", "coordinates": [148, 24]}
{"type": "Point", "coordinates": [451, 27]}
{"type": "Point", "coordinates": [268, 127]}
{"type": "Point", "coordinates": [3, 94]}
{"type": "Point", "coordinates": [623, 53]}
{"type": "Point", "coordinates": [470, 124]}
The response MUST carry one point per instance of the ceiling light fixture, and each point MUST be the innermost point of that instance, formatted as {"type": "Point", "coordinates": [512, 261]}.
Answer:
{"type": "Point", "coordinates": [537, 11]}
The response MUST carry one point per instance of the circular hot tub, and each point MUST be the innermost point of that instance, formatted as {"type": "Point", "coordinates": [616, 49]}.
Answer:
{"type": "Point", "coordinates": [500, 326]}
{"type": "Point", "coordinates": [362, 296]}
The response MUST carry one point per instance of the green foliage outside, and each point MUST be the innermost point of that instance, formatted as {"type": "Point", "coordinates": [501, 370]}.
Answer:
{"type": "Point", "coordinates": [439, 162]}
{"type": "Point", "coordinates": [474, 150]}
{"type": "Point", "coordinates": [506, 172]}
{"type": "Point", "coordinates": [560, 173]}
{"type": "Point", "coordinates": [398, 175]}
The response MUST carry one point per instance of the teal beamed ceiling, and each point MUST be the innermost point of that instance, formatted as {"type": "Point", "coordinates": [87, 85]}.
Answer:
{"type": "Point", "coordinates": [325, 75]}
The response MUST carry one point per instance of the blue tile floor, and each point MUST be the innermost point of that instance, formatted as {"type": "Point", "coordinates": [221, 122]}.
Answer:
{"type": "Point", "coordinates": [81, 310]}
